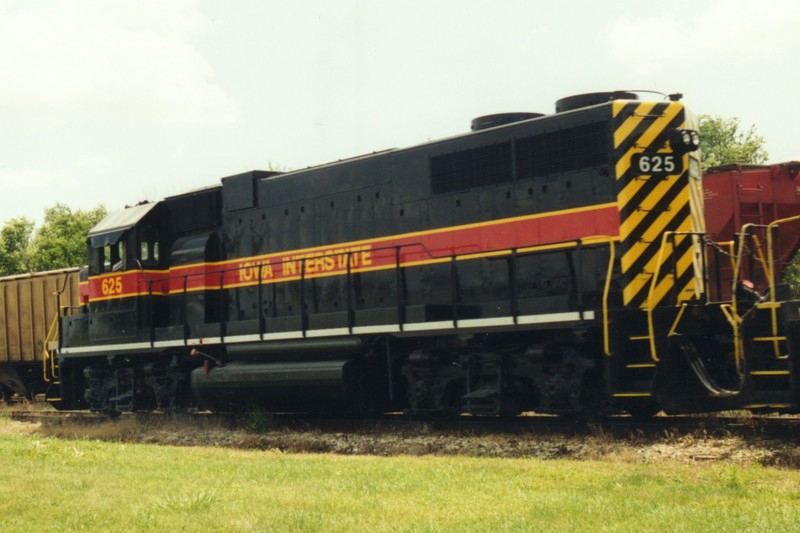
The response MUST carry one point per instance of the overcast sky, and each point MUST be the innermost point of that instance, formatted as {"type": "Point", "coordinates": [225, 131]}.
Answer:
{"type": "Point", "coordinates": [113, 102]}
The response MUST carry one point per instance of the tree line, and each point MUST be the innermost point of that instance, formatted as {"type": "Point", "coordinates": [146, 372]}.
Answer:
{"type": "Point", "coordinates": [723, 142]}
{"type": "Point", "coordinates": [60, 242]}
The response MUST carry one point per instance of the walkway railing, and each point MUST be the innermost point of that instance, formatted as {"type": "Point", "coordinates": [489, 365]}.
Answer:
{"type": "Point", "coordinates": [188, 283]}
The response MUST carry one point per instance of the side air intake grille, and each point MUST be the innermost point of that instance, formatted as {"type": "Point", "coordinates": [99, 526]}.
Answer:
{"type": "Point", "coordinates": [563, 150]}
{"type": "Point", "coordinates": [553, 152]}
{"type": "Point", "coordinates": [471, 168]}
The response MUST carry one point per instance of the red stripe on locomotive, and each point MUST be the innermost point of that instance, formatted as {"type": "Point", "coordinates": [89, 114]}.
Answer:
{"type": "Point", "coordinates": [414, 248]}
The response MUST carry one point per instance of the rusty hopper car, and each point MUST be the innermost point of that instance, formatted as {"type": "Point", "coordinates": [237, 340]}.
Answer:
{"type": "Point", "coordinates": [29, 306]}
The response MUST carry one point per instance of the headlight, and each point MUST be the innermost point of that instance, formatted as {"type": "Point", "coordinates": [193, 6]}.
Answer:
{"type": "Point", "coordinates": [683, 141]}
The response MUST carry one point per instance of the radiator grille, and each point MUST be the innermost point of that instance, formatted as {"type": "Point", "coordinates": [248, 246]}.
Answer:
{"type": "Point", "coordinates": [486, 165]}
{"type": "Point", "coordinates": [563, 150]}
{"type": "Point", "coordinates": [538, 155]}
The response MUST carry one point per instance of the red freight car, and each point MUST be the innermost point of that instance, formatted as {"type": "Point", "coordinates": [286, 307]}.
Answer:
{"type": "Point", "coordinates": [755, 195]}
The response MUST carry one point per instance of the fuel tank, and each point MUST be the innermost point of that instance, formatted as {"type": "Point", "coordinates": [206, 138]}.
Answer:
{"type": "Point", "coordinates": [296, 386]}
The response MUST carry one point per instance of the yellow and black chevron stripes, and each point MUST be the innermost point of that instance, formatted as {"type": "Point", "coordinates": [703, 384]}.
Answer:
{"type": "Point", "coordinates": [642, 127]}
{"type": "Point", "coordinates": [651, 205]}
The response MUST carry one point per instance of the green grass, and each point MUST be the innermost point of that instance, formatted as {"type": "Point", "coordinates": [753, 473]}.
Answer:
{"type": "Point", "coordinates": [49, 484]}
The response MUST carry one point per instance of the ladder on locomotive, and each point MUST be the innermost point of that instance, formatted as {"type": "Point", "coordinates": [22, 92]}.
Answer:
{"type": "Point", "coordinates": [767, 327]}
{"type": "Point", "coordinates": [769, 361]}
{"type": "Point", "coordinates": [645, 330]}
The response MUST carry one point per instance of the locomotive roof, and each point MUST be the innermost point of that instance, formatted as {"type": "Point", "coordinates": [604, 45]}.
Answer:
{"type": "Point", "coordinates": [118, 221]}
{"type": "Point", "coordinates": [109, 230]}
{"type": "Point", "coordinates": [486, 131]}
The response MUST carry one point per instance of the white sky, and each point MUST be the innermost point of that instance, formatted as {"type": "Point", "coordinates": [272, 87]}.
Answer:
{"type": "Point", "coordinates": [113, 102]}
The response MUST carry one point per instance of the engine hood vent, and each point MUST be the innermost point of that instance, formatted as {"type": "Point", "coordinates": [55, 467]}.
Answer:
{"type": "Point", "coordinates": [501, 119]}
{"type": "Point", "coordinates": [589, 99]}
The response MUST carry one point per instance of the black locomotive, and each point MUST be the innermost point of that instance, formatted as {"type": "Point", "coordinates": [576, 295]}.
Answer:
{"type": "Point", "coordinates": [554, 263]}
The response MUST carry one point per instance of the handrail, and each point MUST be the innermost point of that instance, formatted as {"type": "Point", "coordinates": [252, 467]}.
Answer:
{"type": "Point", "coordinates": [771, 254]}
{"type": "Point", "coordinates": [494, 252]}
{"type": "Point", "coordinates": [653, 283]}
{"type": "Point", "coordinates": [772, 293]}
{"type": "Point", "coordinates": [606, 292]}
{"type": "Point", "coordinates": [666, 236]}
{"type": "Point", "coordinates": [511, 254]}
{"type": "Point", "coordinates": [768, 266]}
{"type": "Point", "coordinates": [731, 310]}
{"type": "Point", "coordinates": [262, 322]}
{"type": "Point", "coordinates": [351, 318]}
{"type": "Point", "coordinates": [401, 290]}
{"type": "Point", "coordinates": [723, 251]}
{"type": "Point", "coordinates": [760, 254]}
{"type": "Point", "coordinates": [303, 311]}
{"type": "Point", "coordinates": [606, 288]}
{"type": "Point", "coordinates": [735, 321]}
{"type": "Point", "coordinates": [745, 233]}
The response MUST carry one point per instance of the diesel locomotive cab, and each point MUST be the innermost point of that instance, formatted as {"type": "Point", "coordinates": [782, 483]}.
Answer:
{"type": "Point", "coordinates": [126, 349]}
{"type": "Point", "coordinates": [120, 246]}
{"type": "Point", "coordinates": [116, 308]}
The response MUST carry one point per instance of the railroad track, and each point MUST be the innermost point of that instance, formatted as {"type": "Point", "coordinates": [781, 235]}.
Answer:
{"type": "Point", "coordinates": [760, 426]}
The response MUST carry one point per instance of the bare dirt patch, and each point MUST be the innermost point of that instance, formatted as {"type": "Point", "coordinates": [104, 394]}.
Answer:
{"type": "Point", "coordinates": [695, 447]}
{"type": "Point", "coordinates": [13, 427]}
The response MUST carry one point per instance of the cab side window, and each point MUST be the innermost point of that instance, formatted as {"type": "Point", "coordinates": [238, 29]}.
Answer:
{"type": "Point", "coordinates": [108, 258]}
{"type": "Point", "coordinates": [114, 257]}
{"type": "Point", "coordinates": [149, 254]}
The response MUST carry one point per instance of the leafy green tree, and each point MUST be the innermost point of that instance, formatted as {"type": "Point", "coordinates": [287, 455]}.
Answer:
{"type": "Point", "coordinates": [791, 276]}
{"type": "Point", "coordinates": [15, 246]}
{"type": "Point", "coordinates": [722, 142]}
{"type": "Point", "coordinates": [61, 241]}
